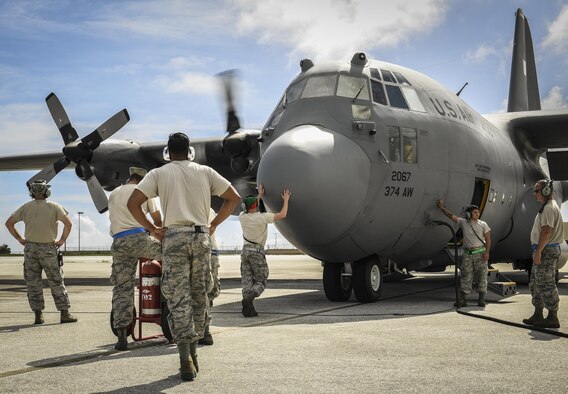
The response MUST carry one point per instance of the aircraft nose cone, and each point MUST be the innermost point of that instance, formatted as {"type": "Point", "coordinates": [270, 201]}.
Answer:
{"type": "Point", "coordinates": [328, 176]}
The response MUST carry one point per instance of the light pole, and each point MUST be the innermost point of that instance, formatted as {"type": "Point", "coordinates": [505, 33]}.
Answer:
{"type": "Point", "coordinates": [79, 214]}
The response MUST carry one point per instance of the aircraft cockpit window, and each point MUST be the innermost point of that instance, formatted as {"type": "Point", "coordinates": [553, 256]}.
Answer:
{"type": "Point", "coordinates": [396, 98]}
{"type": "Point", "coordinates": [353, 87]}
{"type": "Point", "coordinates": [412, 99]}
{"type": "Point", "coordinates": [401, 79]}
{"type": "Point", "coordinates": [375, 74]}
{"type": "Point", "coordinates": [379, 95]}
{"type": "Point", "coordinates": [402, 144]}
{"type": "Point", "coordinates": [409, 145]}
{"type": "Point", "coordinates": [294, 91]}
{"type": "Point", "coordinates": [361, 112]}
{"type": "Point", "coordinates": [387, 76]}
{"type": "Point", "coordinates": [394, 143]}
{"type": "Point", "coordinates": [320, 86]}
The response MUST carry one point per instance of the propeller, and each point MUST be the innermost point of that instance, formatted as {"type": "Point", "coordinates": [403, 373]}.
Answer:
{"type": "Point", "coordinates": [80, 151]}
{"type": "Point", "coordinates": [237, 144]}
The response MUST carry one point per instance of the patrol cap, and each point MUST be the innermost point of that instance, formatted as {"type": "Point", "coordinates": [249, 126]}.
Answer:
{"type": "Point", "coordinates": [249, 201]}
{"type": "Point", "coordinates": [141, 172]}
{"type": "Point", "coordinates": [39, 187]}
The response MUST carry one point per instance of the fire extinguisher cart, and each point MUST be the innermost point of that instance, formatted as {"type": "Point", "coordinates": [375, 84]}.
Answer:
{"type": "Point", "coordinates": [150, 304]}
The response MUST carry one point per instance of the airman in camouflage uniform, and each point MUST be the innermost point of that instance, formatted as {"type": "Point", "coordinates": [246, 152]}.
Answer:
{"type": "Point", "coordinates": [185, 191]}
{"type": "Point", "coordinates": [476, 243]}
{"type": "Point", "coordinates": [254, 269]}
{"type": "Point", "coordinates": [546, 236]}
{"type": "Point", "coordinates": [131, 242]}
{"type": "Point", "coordinates": [40, 249]}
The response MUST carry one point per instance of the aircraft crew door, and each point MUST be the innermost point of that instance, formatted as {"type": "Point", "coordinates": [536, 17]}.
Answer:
{"type": "Point", "coordinates": [480, 192]}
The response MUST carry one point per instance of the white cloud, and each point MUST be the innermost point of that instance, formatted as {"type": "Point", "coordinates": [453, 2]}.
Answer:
{"type": "Point", "coordinates": [324, 29]}
{"type": "Point", "coordinates": [481, 54]}
{"type": "Point", "coordinates": [188, 83]}
{"type": "Point", "coordinates": [557, 37]}
{"type": "Point", "coordinates": [27, 128]}
{"type": "Point", "coordinates": [555, 99]}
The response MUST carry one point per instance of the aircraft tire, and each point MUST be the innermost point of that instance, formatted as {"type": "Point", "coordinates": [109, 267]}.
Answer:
{"type": "Point", "coordinates": [367, 279]}
{"type": "Point", "coordinates": [336, 287]}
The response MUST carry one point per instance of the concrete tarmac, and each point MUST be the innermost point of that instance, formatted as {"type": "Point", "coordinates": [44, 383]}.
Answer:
{"type": "Point", "coordinates": [411, 341]}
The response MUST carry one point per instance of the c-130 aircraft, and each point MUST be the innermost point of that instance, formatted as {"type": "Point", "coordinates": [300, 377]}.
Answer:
{"type": "Point", "coordinates": [366, 147]}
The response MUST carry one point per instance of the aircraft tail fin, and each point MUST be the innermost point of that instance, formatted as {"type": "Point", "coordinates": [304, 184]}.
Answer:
{"type": "Point", "coordinates": [523, 88]}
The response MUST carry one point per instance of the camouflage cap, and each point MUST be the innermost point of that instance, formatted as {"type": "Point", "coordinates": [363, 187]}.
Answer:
{"type": "Point", "coordinates": [138, 171]}
{"type": "Point", "coordinates": [39, 188]}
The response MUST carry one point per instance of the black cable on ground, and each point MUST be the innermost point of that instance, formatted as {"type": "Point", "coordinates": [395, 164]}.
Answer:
{"type": "Point", "coordinates": [494, 319]}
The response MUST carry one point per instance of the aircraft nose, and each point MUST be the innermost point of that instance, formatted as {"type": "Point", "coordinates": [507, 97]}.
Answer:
{"type": "Point", "coordinates": [328, 176]}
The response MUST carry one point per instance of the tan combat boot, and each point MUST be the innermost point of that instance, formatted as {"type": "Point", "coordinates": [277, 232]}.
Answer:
{"type": "Point", "coordinates": [551, 321]}
{"type": "Point", "coordinates": [187, 369]}
{"type": "Point", "coordinates": [207, 339]}
{"type": "Point", "coordinates": [193, 354]}
{"type": "Point", "coordinates": [536, 317]}
{"type": "Point", "coordinates": [122, 343]}
{"type": "Point", "coordinates": [481, 300]}
{"type": "Point", "coordinates": [38, 317]}
{"type": "Point", "coordinates": [461, 300]}
{"type": "Point", "coordinates": [248, 309]}
{"type": "Point", "coordinates": [66, 317]}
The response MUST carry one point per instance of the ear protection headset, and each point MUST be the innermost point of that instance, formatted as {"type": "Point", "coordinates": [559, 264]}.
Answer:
{"type": "Point", "coordinates": [469, 209]}
{"type": "Point", "coordinates": [547, 188]}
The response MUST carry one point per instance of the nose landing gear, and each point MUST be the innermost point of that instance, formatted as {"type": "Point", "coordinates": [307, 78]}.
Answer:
{"type": "Point", "coordinates": [364, 277]}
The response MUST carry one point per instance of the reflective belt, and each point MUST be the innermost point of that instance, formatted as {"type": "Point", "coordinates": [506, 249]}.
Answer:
{"type": "Point", "coordinates": [131, 231]}
{"type": "Point", "coordinates": [480, 249]}
{"type": "Point", "coordinates": [534, 246]}
{"type": "Point", "coordinates": [188, 229]}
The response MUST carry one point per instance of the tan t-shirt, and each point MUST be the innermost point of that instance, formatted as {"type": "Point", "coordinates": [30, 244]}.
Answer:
{"type": "Point", "coordinates": [185, 189]}
{"type": "Point", "coordinates": [552, 217]}
{"type": "Point", "coordinates": [255, 227]}
{"type": "Point", "coordinates": [120, 217]}
{"type": "Point", "coordinates": [40, 218]}
{"type": "Point", "coordinates": [473, 232]}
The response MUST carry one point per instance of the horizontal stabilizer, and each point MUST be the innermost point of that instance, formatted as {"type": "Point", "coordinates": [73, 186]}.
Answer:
{"type": "Point", "coordinates": [558, 164]}
{"type": "Point", "coordinates": [546, 129]}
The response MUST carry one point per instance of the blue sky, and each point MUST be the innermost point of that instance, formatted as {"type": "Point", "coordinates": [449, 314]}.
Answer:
{"type": "Point", "coordinates": [158, 59]}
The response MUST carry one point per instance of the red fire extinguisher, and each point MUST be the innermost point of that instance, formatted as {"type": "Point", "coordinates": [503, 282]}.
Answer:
{"type": "Point", "coordinates": [150, 273]}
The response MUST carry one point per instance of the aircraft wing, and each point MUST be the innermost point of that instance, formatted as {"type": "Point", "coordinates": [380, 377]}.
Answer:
{"type": "Point", "coordinates": [28, 162]}
{"type": "Point", "coordinates": [112, 159]}
{"type": "Point", "coordinates": [538, 131]}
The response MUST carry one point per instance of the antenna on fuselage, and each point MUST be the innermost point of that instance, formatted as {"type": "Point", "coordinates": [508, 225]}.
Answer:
{"type": "Point", "coordinates": [464, 85]}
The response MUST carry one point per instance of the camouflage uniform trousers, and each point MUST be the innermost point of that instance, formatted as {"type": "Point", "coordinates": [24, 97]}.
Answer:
{"type": "Point", "coordinates": [543, 280]}
{"type": "Point", "coordinates": [38, 256]}
{"type": "Point", "coordinates": [473, 266]}
{"type": "Point", "coordinates": [213, 282]}
{"type": "Point", "coordinates": [125, 254]}
{"type": "Point", "coordinates": [254, 273]}
{"type": "Point", "coordinates": [186, 258]}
